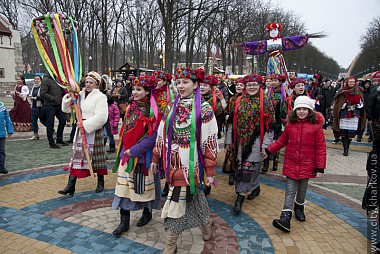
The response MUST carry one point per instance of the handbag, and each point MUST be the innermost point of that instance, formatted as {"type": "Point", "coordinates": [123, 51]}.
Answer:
{"type": "Point", "coordinates": [229, 164]}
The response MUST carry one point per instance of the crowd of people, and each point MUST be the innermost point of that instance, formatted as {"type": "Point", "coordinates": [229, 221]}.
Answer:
{"type": "Point", "coordinates": [170, 130]}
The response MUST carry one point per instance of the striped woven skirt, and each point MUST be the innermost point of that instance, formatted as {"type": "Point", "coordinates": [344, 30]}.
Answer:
{"type": "Point", "coordinates": [78, 164]}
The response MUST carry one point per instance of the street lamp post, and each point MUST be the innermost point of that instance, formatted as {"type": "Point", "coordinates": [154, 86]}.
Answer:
{"type": "Point", "coordinates": [160, 61]}
{"type": "Point", "coordinates": [89, 63]}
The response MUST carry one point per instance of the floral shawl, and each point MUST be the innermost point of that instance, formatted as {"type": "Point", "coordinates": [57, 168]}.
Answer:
{"type": "Point", "coordinates": [248, 120]}
{"type": "Point", "coordinates": [137, 124]}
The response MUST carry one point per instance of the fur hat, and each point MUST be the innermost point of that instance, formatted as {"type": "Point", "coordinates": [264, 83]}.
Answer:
{"type": "Point", "coordinates": [303, 102]}
{"type": "Point", "coordinates": [94, 76]}
{"type": "Point", "coordinates": [144, 81]}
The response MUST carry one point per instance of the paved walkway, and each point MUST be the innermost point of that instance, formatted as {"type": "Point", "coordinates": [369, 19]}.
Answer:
{"type": "Point", "coordinates": [34, 218]}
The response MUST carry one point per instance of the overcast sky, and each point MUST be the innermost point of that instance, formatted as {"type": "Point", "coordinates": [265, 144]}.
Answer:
{"type": "Point", "coordinates": [344, 22]}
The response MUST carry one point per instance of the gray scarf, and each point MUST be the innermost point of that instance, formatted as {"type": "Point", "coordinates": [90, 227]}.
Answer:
{"type": "Point", "coordinates": [38, 102]}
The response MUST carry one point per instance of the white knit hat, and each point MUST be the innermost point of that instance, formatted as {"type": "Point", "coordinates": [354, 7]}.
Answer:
{"type": "Point", "coordinates": [304, 102]}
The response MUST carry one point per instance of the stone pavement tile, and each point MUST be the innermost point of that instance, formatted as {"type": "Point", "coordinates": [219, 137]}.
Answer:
{"type": "Point", "coordinates": [317, 220]}
{"type": "Point", "coordinates": [263, 210]}
{"type": "Point", "coordinates": [293, 250]}
{"type": "Point", "coordinates": [22, 244]}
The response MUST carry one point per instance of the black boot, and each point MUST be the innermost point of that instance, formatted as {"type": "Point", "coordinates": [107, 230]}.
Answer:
{"type": "Point", "coordinates": [299, 212]}
{"type": "Point", "coordinates": [345, 146]}
{"type": "Point", "coordinates": [70, 188]}
{"type": "Point", "coordinates": [145, 218]}
{"type": "Point", "coordinates": [124, 222]}
{"type": "Point", "coordinates": [254, 193]}
{"type": "Point", "coordinates": [264, 170]}
{"type": "Point", "coordinates": [165, 192]}
{"type": "Point", "coordinates": [100, 186]}
{"type": "Point", "coordinates": [112, 149]}
{"type": "Point", "coordinates": [359, 138]}
{"type": "Point", "coordinates": [238, 204]}
{"type": "Point", "coordinates": [207, 190]}
{"type": "Point", "coordinates": [231, 179]}
{"type": "Point", "coordinates": [275, 161]}
{"type": "Point", "coordinates": [284, 222]}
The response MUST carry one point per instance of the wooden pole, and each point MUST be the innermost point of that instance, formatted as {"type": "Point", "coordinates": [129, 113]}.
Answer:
{"type": "Point", "coordinates": [78, 114]}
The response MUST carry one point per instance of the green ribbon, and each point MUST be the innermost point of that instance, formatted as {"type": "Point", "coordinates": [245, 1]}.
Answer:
{"type": "Point", "coordinates": [192, 148]}
{"type": "Point", "coordinates": [54, 47]}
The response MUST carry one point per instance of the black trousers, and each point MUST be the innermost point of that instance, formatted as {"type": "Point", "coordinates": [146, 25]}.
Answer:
{"type": "Point", "coordinates": [51, 113]}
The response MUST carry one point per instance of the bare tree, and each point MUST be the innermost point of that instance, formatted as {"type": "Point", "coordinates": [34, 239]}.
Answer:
{"type": "Point", "coordinates": [9, 9]}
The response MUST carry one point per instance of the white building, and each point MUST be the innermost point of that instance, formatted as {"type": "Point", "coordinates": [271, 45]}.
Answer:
{"type": "Point", "coordinates": [11, 63]}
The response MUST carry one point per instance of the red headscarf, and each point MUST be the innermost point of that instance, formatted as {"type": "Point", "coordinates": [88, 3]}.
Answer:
{"type": "Point", "coordinates": [352, 93]}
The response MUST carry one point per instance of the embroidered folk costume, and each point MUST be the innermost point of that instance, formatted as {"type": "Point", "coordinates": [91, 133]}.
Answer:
{"type": "Point", "coordinates": [253, 116]}
{"type": "Point", "coordinates": [93, 105]}
{"type": "Point", "coordinates": [187, 142]}
{"type": "Point", "coordinates": [348, 112]}
{"type": "Point", "coordinates": [239, 86]}
{"type": "Point", "coordinates": [137, 187]}
{"type": "Point", "coordinates": [20, 113]}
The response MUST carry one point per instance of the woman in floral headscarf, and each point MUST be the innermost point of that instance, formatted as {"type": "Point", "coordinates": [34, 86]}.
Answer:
{"type": "Point", "coordinates": [187, 141]}
{"type": "Point", "coordinates": [137, 187]}
{"type": "Point", "coordinates": [253, 116]}
{"type": "Point", "coordinates": [348, 111]}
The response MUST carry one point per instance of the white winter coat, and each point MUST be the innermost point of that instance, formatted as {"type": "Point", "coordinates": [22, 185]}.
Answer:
{"type": "Point", "coordinates": [94, 109]}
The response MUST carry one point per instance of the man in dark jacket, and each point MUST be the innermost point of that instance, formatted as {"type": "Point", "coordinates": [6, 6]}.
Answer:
{"type": "Point", "coordinates": [326, 97]}
{"type": "Point", "coordinates": [373, 110]}
{"type": "Point", "coordinates": [52, 94]}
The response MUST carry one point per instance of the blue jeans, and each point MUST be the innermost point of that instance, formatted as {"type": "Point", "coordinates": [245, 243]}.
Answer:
{"type": "Point", "coordinates": [34, 118]}
{"type": "Point", "coordinates": [109, 133]}
{"type": "Point", "coordinates": [51, 113]}
{"type": "Point", "coordinates": [2, 153]}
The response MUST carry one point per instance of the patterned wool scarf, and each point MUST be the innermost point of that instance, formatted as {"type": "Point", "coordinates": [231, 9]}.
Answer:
{"type": "Point", "coordinates": [352, 94]}
{"type": "Point", "coordinates": [137, 123]}
{"type": "Point", "coordinates": [250, 120]}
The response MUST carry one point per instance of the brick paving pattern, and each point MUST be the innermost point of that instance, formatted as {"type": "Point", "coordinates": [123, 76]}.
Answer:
{"type": "Point", "coordinates": [34, 218]}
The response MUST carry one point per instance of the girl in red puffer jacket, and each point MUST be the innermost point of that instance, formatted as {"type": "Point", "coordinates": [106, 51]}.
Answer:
{"type": "Point", "coordinates": [305, 157]}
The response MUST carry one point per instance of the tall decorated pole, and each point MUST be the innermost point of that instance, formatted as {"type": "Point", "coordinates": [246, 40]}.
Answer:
{"type": "Point", "coordinates": [56, 38]}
